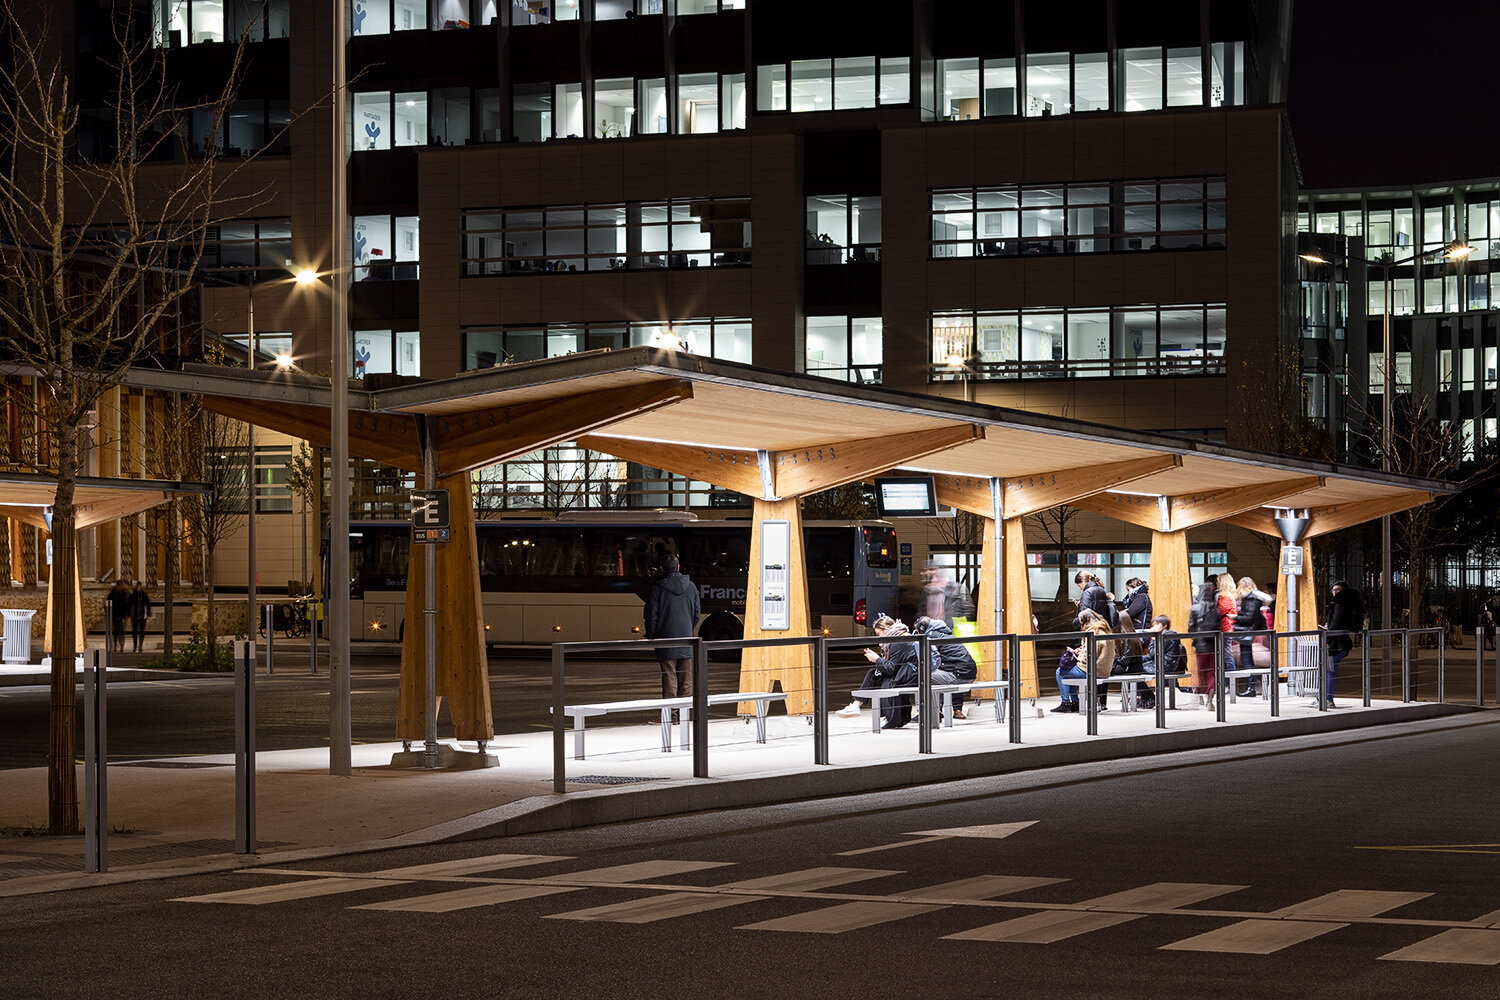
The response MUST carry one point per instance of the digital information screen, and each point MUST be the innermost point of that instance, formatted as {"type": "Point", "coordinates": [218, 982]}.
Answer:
{"type": "Point", "coordinates": [906, 497]}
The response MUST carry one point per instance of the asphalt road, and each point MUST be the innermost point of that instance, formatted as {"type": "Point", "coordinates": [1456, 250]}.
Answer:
{"type": "Point", "coordinates": [1316, 867]}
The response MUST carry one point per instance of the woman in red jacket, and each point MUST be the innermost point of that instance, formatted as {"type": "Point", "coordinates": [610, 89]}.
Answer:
{"type": "Point", "coordinates": [1228, 607]}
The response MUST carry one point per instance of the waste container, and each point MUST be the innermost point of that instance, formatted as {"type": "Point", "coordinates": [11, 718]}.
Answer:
{"type": "Point", "coordinates": [17, 648]}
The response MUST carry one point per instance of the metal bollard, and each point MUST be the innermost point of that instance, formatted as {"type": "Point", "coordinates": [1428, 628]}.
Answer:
{"type": "Point", "coordinates": [1322, 671]}
{"type": "Point", "coordinates": [1159, 666]}
{"type": "Point", "coordinates": [1275, 679]}
{"type": "Point", "coordinates": [1013, 688]}
{"type": "Point", "coordinates": [1442, 665]}
{"type": "Point", "coordinates": [559, 761]}
{"type": "Point", "coordinates": [820, 700]}
{"type": "Point", "coordinates": [312, 639]}
{"type": "Point", "coordinates": [270, 640]}
{"type": "Point", "coordinates": [1090, 685]}
{"type": "Point", "coordinates": [1479, 666]}
{"type": "Point", "coordinates": [1406, 667]}
{"type": "Point", "coordinates": [924, 694]}
{"type": "Point", "coordinates": [700, 708]}
{"type": "Point", "coordinates": [1365, 667]}
{"type": "Point", "coordinates": [95, 755]}
{"type": "Point", "coordinates": [244, 747]}
{"type": "Point", "coordinates": [1220, 648]}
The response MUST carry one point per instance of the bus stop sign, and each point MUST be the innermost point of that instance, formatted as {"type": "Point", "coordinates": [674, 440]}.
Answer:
{"type": "Point", "coordinates": [429, 516]}
{"type": "Point", "coordinates": [1291, 560]}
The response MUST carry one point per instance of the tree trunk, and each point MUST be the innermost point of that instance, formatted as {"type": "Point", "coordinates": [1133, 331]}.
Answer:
{"type": "Point", "coordinates": [62, 774]}
{"type": "Point", "coordinates": [208, 558]}
{"type": "Point", "coordinates": [169, 590]}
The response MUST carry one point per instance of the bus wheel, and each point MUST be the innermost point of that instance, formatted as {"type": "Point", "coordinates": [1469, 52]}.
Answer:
{"type": "Point", "coordinates": [720, 629]}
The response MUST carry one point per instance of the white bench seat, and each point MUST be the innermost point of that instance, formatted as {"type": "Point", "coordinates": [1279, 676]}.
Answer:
{"type": "Point", "coordinates": [945, 693]}
{"type": "Point", "coordinates": [666, 706]}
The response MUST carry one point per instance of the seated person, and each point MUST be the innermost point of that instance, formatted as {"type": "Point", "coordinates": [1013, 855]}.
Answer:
{"type": "Point", "coordinates": [951, 662]}
{"type": "Point", "coordinates": [1131, 660]}
{"type": "Point", "coordinates": [1173, 656]}
{"type": "Point", "coordinates": [894, 666]}
{"type": "Point", "coordinates": [1069, 669]}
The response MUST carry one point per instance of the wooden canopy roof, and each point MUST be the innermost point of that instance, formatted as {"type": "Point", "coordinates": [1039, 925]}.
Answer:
{"type": "Point", "coordinates": [24, 496]}
{"type": "Point", "coordinates": [770, 434]}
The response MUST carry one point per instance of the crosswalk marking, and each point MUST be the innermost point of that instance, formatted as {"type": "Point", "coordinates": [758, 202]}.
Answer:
{"type": "Point", "coordinates": [1047, 927]}
{"type": "Point", "coordinates": [640, 871]}
{"type": "Point", "coordinates": [980, 887]}
{"type": "Point", "coordinates": [1349, 904]}
{"type": "Point", "coordinates": [1255, 937]}
{"type": "Point", "coordinates": [469, 866]}
{"type": "Point", "coordinates": [1459, 946]}
{"type": "Point", "coordinates": [464, 899]}
{"type": "Point", "coordinates": [1159, 896]}
{"type": "Point", "coordinates": [287, 891]}
{"type": "Point", "coordinates": [844, 917]}
{"type": "Point", "coordinates": [810, 879]}
{"type": "Point", "coordinates": [1493, 919]}
{"type": "Point", "coordinates": [648, 909]}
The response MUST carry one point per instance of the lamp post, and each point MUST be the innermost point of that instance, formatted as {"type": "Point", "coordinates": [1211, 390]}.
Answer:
{"type": "Point", "coordinates": [340, 730]}
{"type": "Point", "coordinates": [1455, 250]}
{"type": "Point", "coordinates": [960, 364]}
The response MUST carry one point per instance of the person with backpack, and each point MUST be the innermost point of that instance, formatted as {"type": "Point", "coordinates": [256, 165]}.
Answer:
{"type": "Point", "coordinates": [1249, 617]}
{"type": "Point", "coordinates": [1204, 617]}
{"type": "Point", "coordinates": [1138, 601]}
{"type": "Point", "coordinates": [672, 611]}
{"type": "Point", "coordinates": [1093, 597]}
{"type": "Point", "coordinates": [1346, 613]}
{"type": "Point", "coordinates": [1174, 657]}
{"type": "Point", "coordinates": [951, 661]}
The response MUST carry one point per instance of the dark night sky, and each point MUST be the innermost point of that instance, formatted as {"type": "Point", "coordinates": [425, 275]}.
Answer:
{"type": "Point", "coordinates": [1395, 92]}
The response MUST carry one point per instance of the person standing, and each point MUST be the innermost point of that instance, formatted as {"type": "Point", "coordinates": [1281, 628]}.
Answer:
{"type": "Point", "coordinates": [117, 606]}
{"type": "Point", "coordinates": [1249, 617]}
{"type": "Point", "coordinates": [1204, 617]}
{"type": "Point", "coordinates": [943, 599]}
{"type": "Point", "coordinates": [1346, 613]}
{"type": "Point", "coordinates": [1092, 597]}
{"type": "Point", "coordinates": [140, 613]}
{"type": "Point", "coordinates": [672, 611]}
{"type": "Point", "coordinates": [1138, 601]}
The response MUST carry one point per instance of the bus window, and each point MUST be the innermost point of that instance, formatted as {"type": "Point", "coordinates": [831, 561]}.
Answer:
{"type": "Point", "coordinates": [829, 555]}
{"type": "Point", "coordinates": [880, 547]}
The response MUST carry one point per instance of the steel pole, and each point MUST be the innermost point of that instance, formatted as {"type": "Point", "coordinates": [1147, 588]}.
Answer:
{"type": "Point", "coordinates": [244, 747]}
{"type": "Point", "coordinates": [250, 588]}
{"type": "Point", "coordinates": [1387, 440]}
{"type": "Point", "coordinates": [429, 606]}
{"type": "Point", "coordinates": [340, 736]}
{"type": "Point", "coordinates": [95, 755]}
{"type": "Point", "coordinates": [820, 699]}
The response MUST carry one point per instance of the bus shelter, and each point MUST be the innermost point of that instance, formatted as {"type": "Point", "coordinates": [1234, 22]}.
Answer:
{"type": "Point", "coordinates": [777, 437]}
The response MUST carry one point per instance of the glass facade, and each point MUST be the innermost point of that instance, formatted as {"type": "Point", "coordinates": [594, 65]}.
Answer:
{"type": "Point", "coordinates": [843, 229]}
{"type": "Point", "coordinates": [386, 247]}
{"type": "Point", "coordinates": [717, 337]}
{"type": "Point", "coordinates": [847, 348]}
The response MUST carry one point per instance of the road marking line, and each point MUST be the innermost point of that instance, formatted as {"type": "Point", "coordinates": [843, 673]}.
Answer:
{"type": "Point", "coordinates": [1493, 919]}
{"type": "Point", "coordinates": [843, 917]}
{"type": "Point", "coordinates": [993, 831]}
{"type": "Point", "coordinates": [1254, 937]}
{"type": "Point", "coordinates": [463, 899]}
{"type": "Point", "coordinates": [979, 887]}
{"type": "Point", "coordinates": [1345, 904]}
{"type": "Point", "coordinates": [809, 879]}
{"type": "Point", "coordinates": [1457, 947]}
{"type": "Point", "coordinates": [1159, 896]}
{"type": "Point", "coordinates": [6, 859]}
{"type": "Point", "coordinates": [1046, 927]}
{"type": "Point", "coordinates": [652, 908]}
{"type": "Point", "coordinates": [287, 891]}
{"type": "Point", "coordinates": [890, 847]}
{"type": "Point", "coordinates": [470, 866]}
{"type": "Point", "coordinates": [638, 871]}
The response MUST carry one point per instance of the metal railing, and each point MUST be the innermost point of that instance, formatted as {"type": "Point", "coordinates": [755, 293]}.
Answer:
{"type": "Point", "coordinates": [1008, 649]}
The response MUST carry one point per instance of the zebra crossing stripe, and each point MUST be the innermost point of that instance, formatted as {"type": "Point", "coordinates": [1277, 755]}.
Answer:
{"type": "Point", "coordinates": [469, 866]}
{"type": "Point", "coordinates": [1493, 919]}
{"type": "Point", "coordinates": [640, 871]}
{"type": "Point", "coordinates": [1318, 916]}
{"type": "Point", "coordinates": [844, 917]}
{"type": "Point", "coordinates": [287, 891]}
{"type": "Point", "coordinates": [1047, 927]}
{"type": "Point", "coordinates": [980, 887]}
{"type": "Point", "coordinates": [809, 880]}
{"type": "Point", "coordinates": [648, 909]}
{"type": "Point", "coordinates": [1159, 896]}
{"type": "Point", "coordinates": [464, 899]}
{"type": "Point", "coordinates": [1459, 946]}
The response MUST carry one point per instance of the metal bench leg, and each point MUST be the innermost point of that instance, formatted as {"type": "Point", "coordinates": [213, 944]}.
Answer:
{"type": "Point", "coordinates": [666, 730]}
{"type": "Point", "coordinates": [1002, 702]}
{"type": "Point", "coordinates": [761, 708]}
{"type": "Point", "coordinates": [685, 725]}
{"type": "Point", "coordinates": [578, 737]}
{"type": "Point", "coordinates": [947, 709]}
{"type": "Point", "coordinates": [875, 714]}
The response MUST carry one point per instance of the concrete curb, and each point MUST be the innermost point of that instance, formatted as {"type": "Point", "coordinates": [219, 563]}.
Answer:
{"type": "Point", "coordinates": [41, 678]}
{"type": "Point", "coordinates": [546, 813]}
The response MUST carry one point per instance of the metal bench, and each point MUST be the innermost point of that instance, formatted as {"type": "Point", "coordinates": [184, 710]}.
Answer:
{"type": "Point", "coordinates": [1129, 684]}
{"type": "Point", "coordinates": [945, 693]}
{"type": "Point", "coordinates": [580, 713]}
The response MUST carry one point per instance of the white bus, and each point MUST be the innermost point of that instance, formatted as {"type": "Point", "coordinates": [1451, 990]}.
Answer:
{"type": "Point", "coordinates": [584, 576]}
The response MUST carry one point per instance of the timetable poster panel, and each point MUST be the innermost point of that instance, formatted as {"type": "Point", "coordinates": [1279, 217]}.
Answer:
{"type": "Point", "coordinates": [775, 576]}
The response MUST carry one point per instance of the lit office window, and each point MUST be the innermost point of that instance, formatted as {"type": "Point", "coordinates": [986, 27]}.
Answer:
{"type": "Point", "coordinates": [387, 352]}
{"type": "Point", "coordinates": [1437, 226]}
{"type": "Point", "coordinates": [567, 118]}
{"type": "Point", "coordinates": [770, 87]}
{"type": "Point", "coordinates": [697, 103]}
{"type": "Point", "coordinates": [1091, 82]}
{"type": "Point", "coordinates": [410, 115]}
{"type": "Point", "coordinates": [542, 11]}
{"type": "Point", "coordinates": [705, 6]}
{"type": "Point", "coordinates": [372, 120]}
{"type": "Point", "coordinates": [895, 81]}
{"type": "Point", "coordinates": [381, 17]}
{"type": "Point", "coordinates": [843, 229]}
{"type": "Point", "coordinates": [846, 348]}
{"type": "Point", "coordinates": [1048, 87]}
{"type": "Point", "coordinates": [854, 82]}
{"type": "Point", "coordinates": [447, 15]}
{"type": "Point", "coordinates": [249, 243]}
{"type": "Point", "coordinates": [273, 494]}
{"type": "Point", "coordinates": [840, 84]}
{"type": "Point", "coordinates": [189, 22]}
{"type": "Point", "coordinates": [257, 125]}
{"type": "Point", "coordinates": [1140, 79]}
{"type": "Point", "coordinates": [727, 338]}
{"type": "Point", "coordinates": [614, 108]}
{"type": "Point", "coordinates": [1184, 77]}
{"type": "Point", "coordinates": [615, 10]}
{"type": "Point", "coordinates": [1078, 343]}
{"type": "Point", "coordinates": [732, 101]}
{"type": "Point", "coordinates": [386, 248]}
{"type": "Point", "coordinates": [531, 111]}
{"type": "Point", "coordinates": [812, 84]}
{"type": "Point", "coordinates": [958, 89]}
{"type": "Point", "coordinates": [449, 116]}
{"type": "Point", "coordinates": [651, 106]}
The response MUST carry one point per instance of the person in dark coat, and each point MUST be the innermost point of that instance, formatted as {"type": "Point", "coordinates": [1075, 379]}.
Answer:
{"type": "Point", "coordinates": [1346, 613]}
{"type": "Point", "coordinates": [942, 596]}
{"type": "Point", "coordinates": [951, 662]}
{"type": "Point", "coordinates": [1173, 656]}
{"type": "Point", "coordinates": [1250, 618]}
{"type": "Point", "coordinates": [1093, 597]}
{"type": "Point", "coordinates": [672, 611]}
{"type": "Point", "coordinates": [118, 607]}
{"type": "Point", "coordinates": [895, 665]}
{"type": "Point", "coordinates": [140, 613]}
{"type": "Point", "coordinates": [1138, 601]}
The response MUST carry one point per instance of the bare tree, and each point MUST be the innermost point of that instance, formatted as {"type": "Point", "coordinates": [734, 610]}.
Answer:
{"type": "Point", "coordinates": [1057, 524]}
{"type": "Point", "coordinates": [964, 534]}
{"type": "Point", "coordinates": [215, 449]}
{"type": "Point", "coordinates": [851, 502]}
{"type": "Point", "coordinates": [96, 258]}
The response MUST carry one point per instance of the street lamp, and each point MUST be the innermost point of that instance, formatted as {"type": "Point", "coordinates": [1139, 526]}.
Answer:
{"type": "Point", "coordinates": [1455, 250]}
{"type": "Point", "coordinates": [960, 364]}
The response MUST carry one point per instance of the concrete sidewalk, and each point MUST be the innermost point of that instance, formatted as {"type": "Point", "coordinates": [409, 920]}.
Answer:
{"type": "Point", "coordinates": [176, 816]}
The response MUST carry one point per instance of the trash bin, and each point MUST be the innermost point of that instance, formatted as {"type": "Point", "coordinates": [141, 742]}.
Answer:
{"type": "Point", "coordinates": [17, 648]}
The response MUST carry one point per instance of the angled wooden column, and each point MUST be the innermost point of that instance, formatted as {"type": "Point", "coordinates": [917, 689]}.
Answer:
{"type": "Point", "coordinates": [790, 666]}
{"type": "Point", "coordinates": [1171, 580]}
{"type": "Point", "coordinates": [462, 669]}
{"type": "Point", "coordinates": [1018, 602]}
